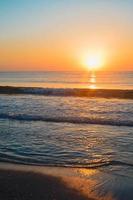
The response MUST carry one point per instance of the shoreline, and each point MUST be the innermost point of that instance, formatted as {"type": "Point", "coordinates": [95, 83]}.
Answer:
{"type": "Point", "coordinates": [26, 182]}
{"type": "Point", "coordinates": [23, 182]}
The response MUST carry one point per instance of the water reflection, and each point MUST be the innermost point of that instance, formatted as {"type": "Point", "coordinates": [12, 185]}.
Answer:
{"type": "Point", "coordinates": [92, 81]}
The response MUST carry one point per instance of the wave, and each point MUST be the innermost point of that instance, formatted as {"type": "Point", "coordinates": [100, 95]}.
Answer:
{"type": "Point", "coordinates": [77, 92]}
{"type": "Point", "coordinates": [63, 119]}
{"type": "Point", "coordinates": [32, 161]}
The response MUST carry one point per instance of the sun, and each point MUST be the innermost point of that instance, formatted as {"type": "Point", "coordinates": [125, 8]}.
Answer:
{"type": "Point", "coordinates": [93, 61]}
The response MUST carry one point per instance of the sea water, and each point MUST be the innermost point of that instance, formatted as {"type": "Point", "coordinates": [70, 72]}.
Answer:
{"type": "Point", "coordinates": [67, 131]}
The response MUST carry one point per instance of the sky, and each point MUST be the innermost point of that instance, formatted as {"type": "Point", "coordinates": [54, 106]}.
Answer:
{"type": "Point", "coordinates": [62, 34]}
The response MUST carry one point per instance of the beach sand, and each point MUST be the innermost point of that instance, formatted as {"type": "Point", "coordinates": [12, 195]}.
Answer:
{"type": "Point", "coordinates": [25, 182]}
{"type": "Point", "coordinates": [37, 183]}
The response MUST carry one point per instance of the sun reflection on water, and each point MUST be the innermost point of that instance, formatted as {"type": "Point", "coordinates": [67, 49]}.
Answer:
{"type": "Point", "coordinates": [92, 81]}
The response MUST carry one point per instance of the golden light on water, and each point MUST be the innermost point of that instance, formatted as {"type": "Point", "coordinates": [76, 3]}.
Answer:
{"type": "Point", "coordinates": [92, 81]}
{"type": "Point", "coordinates": [92, 86]}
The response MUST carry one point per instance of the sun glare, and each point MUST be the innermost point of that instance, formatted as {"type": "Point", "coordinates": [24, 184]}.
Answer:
{"type": "Point", "coordinates": [93, 61]}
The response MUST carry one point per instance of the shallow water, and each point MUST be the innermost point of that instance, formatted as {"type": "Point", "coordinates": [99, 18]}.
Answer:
{"type": "Point", "coordinates": [66, 131]}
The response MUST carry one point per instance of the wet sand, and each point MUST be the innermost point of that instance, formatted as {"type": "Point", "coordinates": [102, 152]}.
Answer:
{"type": "Point", "coordinates": [31, 183]}
{"type": "Point", "coordinates": [25, 182]}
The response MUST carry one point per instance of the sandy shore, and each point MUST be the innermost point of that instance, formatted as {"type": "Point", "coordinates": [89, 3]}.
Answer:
{"type": "Point", "coordinates": [37, 183]}
{"type": "Point", "coordinates": [25, 182]}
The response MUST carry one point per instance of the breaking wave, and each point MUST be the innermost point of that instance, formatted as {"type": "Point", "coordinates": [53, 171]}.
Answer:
{"type": "Point", "coordinates": [63, 119]}
{"type": "Point", "coordinates": [105, 93]}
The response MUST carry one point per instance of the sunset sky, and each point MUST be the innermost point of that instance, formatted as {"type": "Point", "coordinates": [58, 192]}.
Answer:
{"type": "Point", "coordinates": [62, 34]}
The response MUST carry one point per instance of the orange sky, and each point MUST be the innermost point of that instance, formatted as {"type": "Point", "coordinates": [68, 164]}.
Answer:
{"type": "Point", "coordinates": [38, 35]}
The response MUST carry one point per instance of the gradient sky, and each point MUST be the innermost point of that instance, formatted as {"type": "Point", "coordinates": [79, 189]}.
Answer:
{"type": "Point", "coordinates": [58, 34]}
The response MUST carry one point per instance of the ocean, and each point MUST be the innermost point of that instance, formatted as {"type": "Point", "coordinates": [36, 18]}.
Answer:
{"type": "Point", "coordinates": [105, 80]}
{"type": "Point", "coordinates": [48, 119]}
